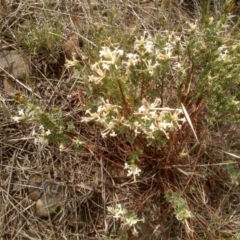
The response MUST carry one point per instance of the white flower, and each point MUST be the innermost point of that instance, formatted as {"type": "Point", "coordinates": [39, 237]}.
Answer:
{"type": "Point", "coordinates": [93, 116]}
{"type": "Point", "coordinates": [132, 220]}
{"type": "Point", "coordinates": [105, 53]}
{"type": "Point", "coordinates": [149, 46]}
{"type": "Point", "coordinates": [61, 147]}
{"type": "Point", "coordinates": [126, 166]}
{"type": "Point", "coordinates": [133, 59]}
{"type": "Point", "coordinates": [107, 107]}
{"type": "Point", "coordinates": [211, 20]}
{"type": "Point", "coordinates": [193, 26]}
{"type": "Point", "coordinates": [109, 129]}
{"type": "Point", "coordinates": [165, 125]}
{"type": "Point", "coordinates": [21, 112]}
{"type": "Point", "coordinates": [144, 45]}
{"type": "Point", "coordinates": [223, 55]}
{"type": "Point", "coordinates": [39, 140]}
{"type": "Point", "coordinates": [105, 66]}
{"type": "Point", "coordinates": [71, 63]}
{"type": "Point", "coordinates": [101, 73]}
{"type": "Point", "coordinates": [146, 118]}
{"type": "Point", "coordinates": [79, 142]}
{"type": "Point", "coordinates": [120, 52]}
{"type": "Point", "coordinates": [96, 80]}
{"type": "Point", "coordinates": [136, 124]}
{"type": "Point", "coordinates": [16, 119]}
{"type": "Point", "coordinates": [118, 211]}
{"type": "Point", "coordinates": [33, 133]}
{"type": "Point", "coordinates": [184, 214]}
{"type": "Point", "coordinates": [48, 132]}
{"type": "Point", "coordinates": [115, 212]}
{"type": "Point", "coordinates": [153, 114]}
{"type": "Point", "coordinates": [177, 66]}
{"type": "Point", "coordinates": [110, 57]}
{"type": "Point", "coordinates": [141, 109]}
{"type": "Point", "coordinates": [113, 134]}
{"type": "Point", "coordinates": [222, 48]}
{"type": "Point", "coordinates": [132, 170]}
{"type": "Point", "coordinates": [235, 102]}
{"type": "Point", "coordinates": [88, 111]}
{"type": "Point", "coordinates": [136, 132]}
{"type": "Point", "coordinates": [139, 43]}
{"type": "Point", "coordinates": [168, 47]}
{"type": "Point", "coordinates": [20, 116]}
{"type": "Point", "coordinates": [168, 50]}
{"type": "Point", "coordinates": [150, 66]}
{"type": "Point", "coordinates": [152, 127]}
{"type": "Point", "coordinates": [102, 116]}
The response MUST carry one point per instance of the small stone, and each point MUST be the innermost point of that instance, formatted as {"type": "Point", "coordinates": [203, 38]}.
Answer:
{"type": "Point", "coordinates": [35, 186]}
{"type": "Point", "coordinates": [46, 207]}
{"type": "Point", "coordinates": [118, 173]}
{"type": "Point", "coordinates": [48, 197]}
{"type": "Point", "coordinates": [13, 63]}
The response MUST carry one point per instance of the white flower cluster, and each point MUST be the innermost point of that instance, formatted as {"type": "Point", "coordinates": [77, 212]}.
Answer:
{"type": "Point", "coordinates": [181, 208]}
{"type": "Point", "coordinates": [184, 215]}
{"type": "Point", "coordinates": [120, 212]}
{"type": "Point", "coordinates": [108, 58]}
{"type": "Point", "coordinates": [20, 116]}
{"type": "Point", "coordinates": [147, 45]}
{"type": "Point", "coordinates": [147, 120]}
{"type": "Point", "coordinates": [133, 170]}
{"type": "Point", "coordinates": [148, 55]}
{"type": "Point", "coordinates": [40, 136]}
{"type": "Point", "coordinates": [223, 53]}
{"type": "Point", "coordinates": [144, 51]}
{"type": "Point", "coordinates": [26, 113]}
{"type": "Point", "coordinates": [107, 115]}
{"type": "Point", "coordinates": [71, 63]}
{"type": "Point", "coordinates": [39, 133]}
{"type": "Point", "coordinates": [153, 118]}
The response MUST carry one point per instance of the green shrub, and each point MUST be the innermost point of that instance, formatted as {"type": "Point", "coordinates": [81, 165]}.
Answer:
{"type": "Point", "coordinates": [130, 90]}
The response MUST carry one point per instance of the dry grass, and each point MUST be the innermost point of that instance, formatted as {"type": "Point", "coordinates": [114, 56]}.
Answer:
{"type": "Point", "coordinates": [94, 178]}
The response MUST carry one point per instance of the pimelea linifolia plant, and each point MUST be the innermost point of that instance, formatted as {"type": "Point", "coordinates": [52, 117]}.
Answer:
{"type": "Point", "coordinates": [131, 87]}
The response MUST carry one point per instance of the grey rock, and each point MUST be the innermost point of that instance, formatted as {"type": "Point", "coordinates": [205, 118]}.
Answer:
{"type": "Point", "coordinates": [13, 63]}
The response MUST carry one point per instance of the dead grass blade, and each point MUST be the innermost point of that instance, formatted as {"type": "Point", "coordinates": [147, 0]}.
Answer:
{"type": "Point", "coordinates": [232, 154]}
{"type": "Point", "coordinates": [189, 121]}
